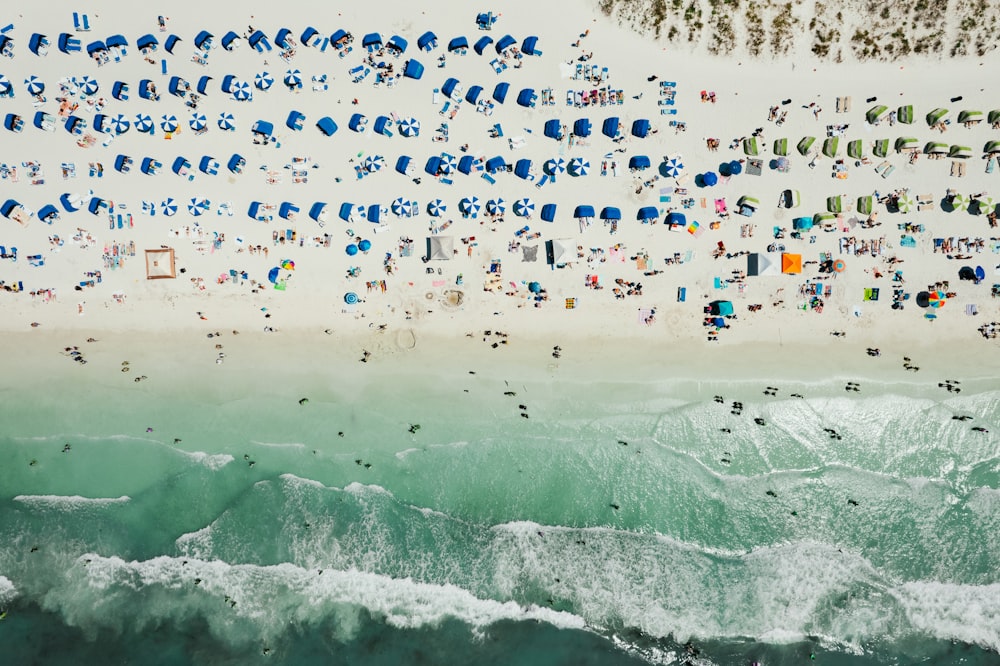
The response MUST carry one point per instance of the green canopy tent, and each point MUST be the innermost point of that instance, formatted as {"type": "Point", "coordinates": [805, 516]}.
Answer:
{"type": "Point", "coordinates": [906, 143]}
{"type": "Point", "coordinates": [830, 146]}
{"type": "Point", "coordinates": [982, 206]}
{"type": "Point", "coordinates": [936, 116]}
{"type": "Point", "coordinates": [968, 117]}
{"type": "Point", "coordinates": [994, 118]}
{"type": "Point", "coordinates": [820, 218]}
{"type": "Point", "coordinates": [791, 198]}
{"type": "Point", "coordinates": [856, 149]}
{"type": "Point", "coordinates": [805, 144]}
{"type": "Point", "coordinates": [905, 114]}
{"type": "Point", "coordinates": [866, 204]}
{"type": "Point", "coordinates": [881, 147]}
{"type": "Point", "coordinates": [992, 146]}
{"type": "Point", "coordinates": [747, 205]}
{"type": "Point", "coordinates": [750, 146]}
{"type": "Point", "coordinates": [781, 147]}
{"type": "Point", "coordinates": [935, 148]}
{"type": "Point", "coordinates": [960, 152]}
{"type": "Point", "coordinates": [904, 204]}
{"type": "Point", "coordinates": [959, 202]}
{"type": "Point", "coordinates": [835, 204]}
{"type": "Point", "coordinates": [876, 113]}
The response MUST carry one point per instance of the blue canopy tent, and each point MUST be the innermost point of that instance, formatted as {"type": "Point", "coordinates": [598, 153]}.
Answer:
{"type": "Point", "coordinates": [208, 165]}
{"type": "Point", "coordinates": [802, 223]}
{"type": "Point", "coordinates": [227, 83]}
{"type": "Point", "coordinates": [495, 164]}
{"type": "Point", "coordinates": [413, 69]}
{"type": "Point", "coordinates": [326, 125]}
{"type": "Point", "coordinates": [295, 119]}
{"type": "Point", "coordinates": [228, 40]}
{"type": "Point", "coordinates": [485, 20]}
{"type": "Point", "coordinates": [640, 128]}
{"type": "Point", "coordinates": [458, 45]}
{"type": "Point", "coordinates": [346, 209]}
{"type": "Point", "coordinates": [404, 165]}
{"type": "Point", "coordinates": [465, 164]}
{"type": "Point", "coordinates": [236, 163]}
{"type": "Point", "coordinates": [357, 123]}
{"type": "Point", "coordinates": [530, 46]}
{"type": "Point", "coordinates": [638, 162]}
{"type": "Point", "coordinates": [553, 129]}
{"type": "Point", "coordinates": [75, 125]}
{"type": "Point", "coordinates": [283, 39]}
{"type": "Point", "coordinates": [96, 46]}
{"type": "Point", "coordinates": [676, 220]}
{"type": "Point", "coordinates": [180, 165]}
{"type": "Point", "coordinates": [611, 213]}
{"type": "Point", "coordinates": [549, 212]}
{"type": "Point", "coordinates": [117, 41]}
{"type": "Point", "coordinates": [472, 97]}
{"type": "Point", "coordinates": [48, 213]}
{"type": "Point", "coordinates": [119, 90]}
{"type": "Point", "coordinates": [68, 202]}
{"type": "Point", "coordinates": [13, 122]}
{"type": "Point", "coordinates": [96, 205]}
{"type": "Point", "coordinates": [427, 41]}
{"type": "Point", "coordinates": [101, 123]}
{"type": "Point", "coordinates": [68, 43]}
{"type": "Point", "coordinates": [527, 97]}
{"type": "Point", "coordinates": [583, 211]}
{"type": "Point", "coordinates": [171, 43]}
{"type": "Point", "coordinates": [258, 41]}
{"type": "Point", "coordinates": [318, 211]}
{"type": "Point", "coordinates": [396, 45]}
{"type": "Point", "coordinates": [254, 210]}
{"type": "Point", "coordinates": [481, 44]}
{"type": "Point", "coordinates": [123, 163]}
{"type": "Point", "coordinates": [202, 86]}
{"type": "Point", "coordinates": [374, 213]}
{"type": "Point", "coordinates": [433, 165]}
{"type": "Point", "coordinates": [582, 127]}
{"type": "Point", "coordinates": [383, 126]}
{"type": "Point", "coordinates": [449, 87]}
{"type": "Point", "coordinates": [38, 44]}
{"type": "Point", "coordinates": [309, 36]}
{"type": "Point", "coordinates": [263, 128]}
{"type": "Point", "coordinates": [147, 42]}
{"type": "Point", "coordinates": [287, 210]}
{"type": "Point", "coordinates": [500, 92]}
{"type": "Point", "coordinates": [505, 43]}
{"type": "Point", "coordinates": [647, 213]}
{"type": "Point", "coordinates": [372, 41]}
{"type": "Point", "coordinates": [340, 38]}
{"type": "Point", "coordinates": [611, 127]}
{"type": "Point", "coordinates": [721, 308]}
{"type": "Point", "coordinates": [146, 89]}
{"type": "Point", "coordinates": [178, 86]}
{"type": "Point", "coordinates": [44, 121]}
{"type": "Point", "coordinates": [203, 40]}
{"type": "Point", "coordinates": [522, 169]}
{"type": "Point", "coordinates": [149, 166]}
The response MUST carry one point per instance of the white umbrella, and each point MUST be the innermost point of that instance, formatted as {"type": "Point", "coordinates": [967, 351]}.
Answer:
{"type": "Point", "coordinates": [120, 124]}
{"type": "Point", "coordinates": [373, 163]}
{"type": "Point", "coordinates": [496, 207]}
{"type": "Point", "coordinates": [524, 207]}
{"type": "Point", "coordinates": [168, 206]}
{"type": "Point", "coordinates": [448, 163]}
{"type": "Point", "coordinates": [227, 122]}
{"type": "Point", "coordinates": [470, 206]}
{"type": "Point", "coordinates": [241, 91]}
{"type": "Point", "coordinates": [143, 123]}
{"type": "Point", "coordinates": [673, 167]}
{"type": "Point", "coordinates": [263, 81]}
{"type": "Point", "coordinates": [578, 166]}
{"type": "Point", "coordinates": [35, 85]}
{"type": "Point", "coordinates": [88, 85]}
{"type": "Point", "coordinates": [197, 206]}
{"type": "Point", "coordinates": [168, 123]}
{"type": "Point", "coordinates": [293, 78]}
{"type": "Point", "coordinates": [436, 208]}
{"type": "Point", "coordinates": [409, 127]}
{"type": "Point", "coordinates": [198, 122]}
{"type": "Point", "coordinates": [555, 165]}
{"type": "Point", "coordinates": [402, 207]}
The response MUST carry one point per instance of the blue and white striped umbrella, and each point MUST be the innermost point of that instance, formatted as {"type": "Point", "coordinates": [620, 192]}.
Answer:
{"type": "Point", "coordinates": [143, 123]}
{"type": "Point", "coordinates": [88, 86]}
{"type": "Point", "coordinates": [198, 205]}
{"type": "Point", "coordinates": [198, 122]}
{"type": "Point", "coordinates": [293, 78]}
{"type": "Point", "coordinates": [241, 91]}
{"type": "Point", "coordinates": [35, 85]}
{"type": "Point", "coordinates": [263, 81]}
{"type": "Point", "coordinates": [402, 207]}
{"type": "Point", "coordinates": [168, 123]}
{"type": "Point", "coordinates": [436, 208]}
{"type": "Point", "coordinates": [373, 163]}
{"type": "Point", "coordinates": [496, 207]}
{"type": "Point", "coordinates": [409, 127]}
{"type": "Point", "coordinates": [448, 163]}
{"type": "Point", "coordinates": [168, 206]}
{"type": "Point", "coordinates": [5, 86]}
{"type": "Point", "coordinates": [524, 207]}
{"type": "Point", "coordinates": [227, 122]}
{"type": "Point", "coordinates": [120, 124]}
{"type": "Point", "coordinates": [554, 165]}
{"type": "Point", "coordinates": [469, 206]}
{"type": "Point", "coordinates": [578, 166]}
{"type": "Point", "coordinates": [673, 167]}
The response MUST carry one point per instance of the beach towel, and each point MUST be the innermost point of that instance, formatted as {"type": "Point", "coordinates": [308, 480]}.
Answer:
{"type": "Point", "coordinates": [529, 252]}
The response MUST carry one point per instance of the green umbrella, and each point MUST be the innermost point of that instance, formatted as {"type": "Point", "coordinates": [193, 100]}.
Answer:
{"type": "Point", "coordinates": [905, 114]}
{"type": "Point", "coordinates": [805, 144]}
{"type": "Point", "coordinates": [960, 152]}
{"type": "Point", "coordinates": [982, 206]}
{"type": "Point", "coordinates": [820, 218]}
{"type": "Point", "coordinates": [970, 116]}
{"type": "Point", "coordinates": [906, 143]}
{"type": "Point", "coordinates": [959, 202]}
{"type": "Point", "coordinates": [835, 204]}
{"type": "Point", "coordinates": [781, 147]}
{"type": "Point", "coordinates": [992, 147]}
{"type": "Point", "coordinates": [994, 117]}
{"type": "Point", "coordinates": [904, 204]}
{"type": "Point", "coordinates": [936, 116]}
{"type": "Point", "coordinates": [856, 149]}
{"type": "Point", "coordinates": [830, 146]}
{"type": "Point", "coordinates": [746, 200]}
{"type": "Point", "coordinates": [881, 147]}
{"type": "Point", "coordinates": [865, 205]}
{"type": "Point", "coordinates": [935, 148]}
{"type": "Point", "coordinates": [876, 113]}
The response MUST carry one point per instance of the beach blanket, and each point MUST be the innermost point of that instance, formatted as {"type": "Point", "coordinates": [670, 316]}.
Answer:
{"type": "Point", "coordinates": [529, 252]}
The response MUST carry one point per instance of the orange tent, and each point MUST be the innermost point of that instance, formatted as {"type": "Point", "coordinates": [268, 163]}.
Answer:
{"type": "Point", "coordinates": [791, 263]}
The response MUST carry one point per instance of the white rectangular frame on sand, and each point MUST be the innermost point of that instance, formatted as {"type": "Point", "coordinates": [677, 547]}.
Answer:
{"type": "Point", "coordinates": [160, 264]}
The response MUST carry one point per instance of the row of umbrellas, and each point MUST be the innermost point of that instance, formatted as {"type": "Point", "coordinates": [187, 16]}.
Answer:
{"type": "Point", "coordinates": [472, 205]}
{"type": "Point", "coordinates": [119, 124]}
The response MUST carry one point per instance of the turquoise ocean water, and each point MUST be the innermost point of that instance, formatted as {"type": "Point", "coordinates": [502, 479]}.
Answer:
{"type": "Point", "coordinates": [604, 529]}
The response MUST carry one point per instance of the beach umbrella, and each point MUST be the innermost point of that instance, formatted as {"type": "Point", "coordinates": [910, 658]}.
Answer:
{"type": "Point", "coordinates": [402, 207]}
{"type": "Point", "coordinates": [554, 165]}
{"type": "Point", "coordinates": [936, 299]}
{"type": "Point", "coordinates": [578, 166]}
{"type": "Point", "coordinates": [197, 206]}
{"type": "Point", "coordinates": [408, 127]}
{"type": "Point", "coordinates": [373, 163]}
{"type": "Point", "coordinates": [351, 250]}
{"type": "Point", "coordinates": [168, 207]}
{"type": "Point", "coordinates": [272, 275]}
{"type": "Point", "coordinates": [436, 208]}
{"type": "Point", "coordinates": [448, 163]}
{"type": "Point", "coordinates": [143, 123]}
{"type": "Point", "coordinates": [88, 86]}
{"type": "Point", "coordinates": [524, 207]}
{"type": "Point", "coordinates": [959, 202]}
{"type": "Point", "coordinates": [293, 78]}
{"type": "Point", "coordinates": [120, 124]}
{"type": "Point", "coordinates": [288, 264]}
{"type": "Point", "coordinates": [535, 287]}
{"type": "Point", "coordinates": [710, 178]}
{"type": "Point", "coordinates": [674, 167]}
{"type": "Point", "coordinates": [469, 206]}
{"type": "Point", "coordinates": [365, 245]}
{"type": "Point", "coordinates": [241, 91]}
{"type": "Point", "coordinates": [735, 168]}
{"type": "Point", "coordinates": [984, 205]}
{"type": "Point", "coordinates": [350, 297]}
{"type": "Point", "coordinates": [839, 265]}
{"type": "Point", "coordinates": [198, 122]}
{"type": "Point", "coordinates": [5, 86]}
{"type": "Point", "coordinates": [227, 122]}
{"type": "Point", "coordinates": [263, 81]}
{"type": "Point", "coordinates": [35, 85]}
{"type": "Point", "coordinates": [496, 207]}
{"type": "Point", "coordinates": [168, 123]}
{"type": "Point", "coordinates": [904, 203]}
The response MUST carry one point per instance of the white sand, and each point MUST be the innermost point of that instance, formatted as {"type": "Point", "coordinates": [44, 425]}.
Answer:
{"type": "Point", "coordinates": [313, 300]}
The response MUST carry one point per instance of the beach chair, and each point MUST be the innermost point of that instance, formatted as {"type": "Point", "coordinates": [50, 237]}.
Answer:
{"type": "Point", "coordinates": [681, 294]}
{"type": "Point", "coordinates": [991, 164]}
